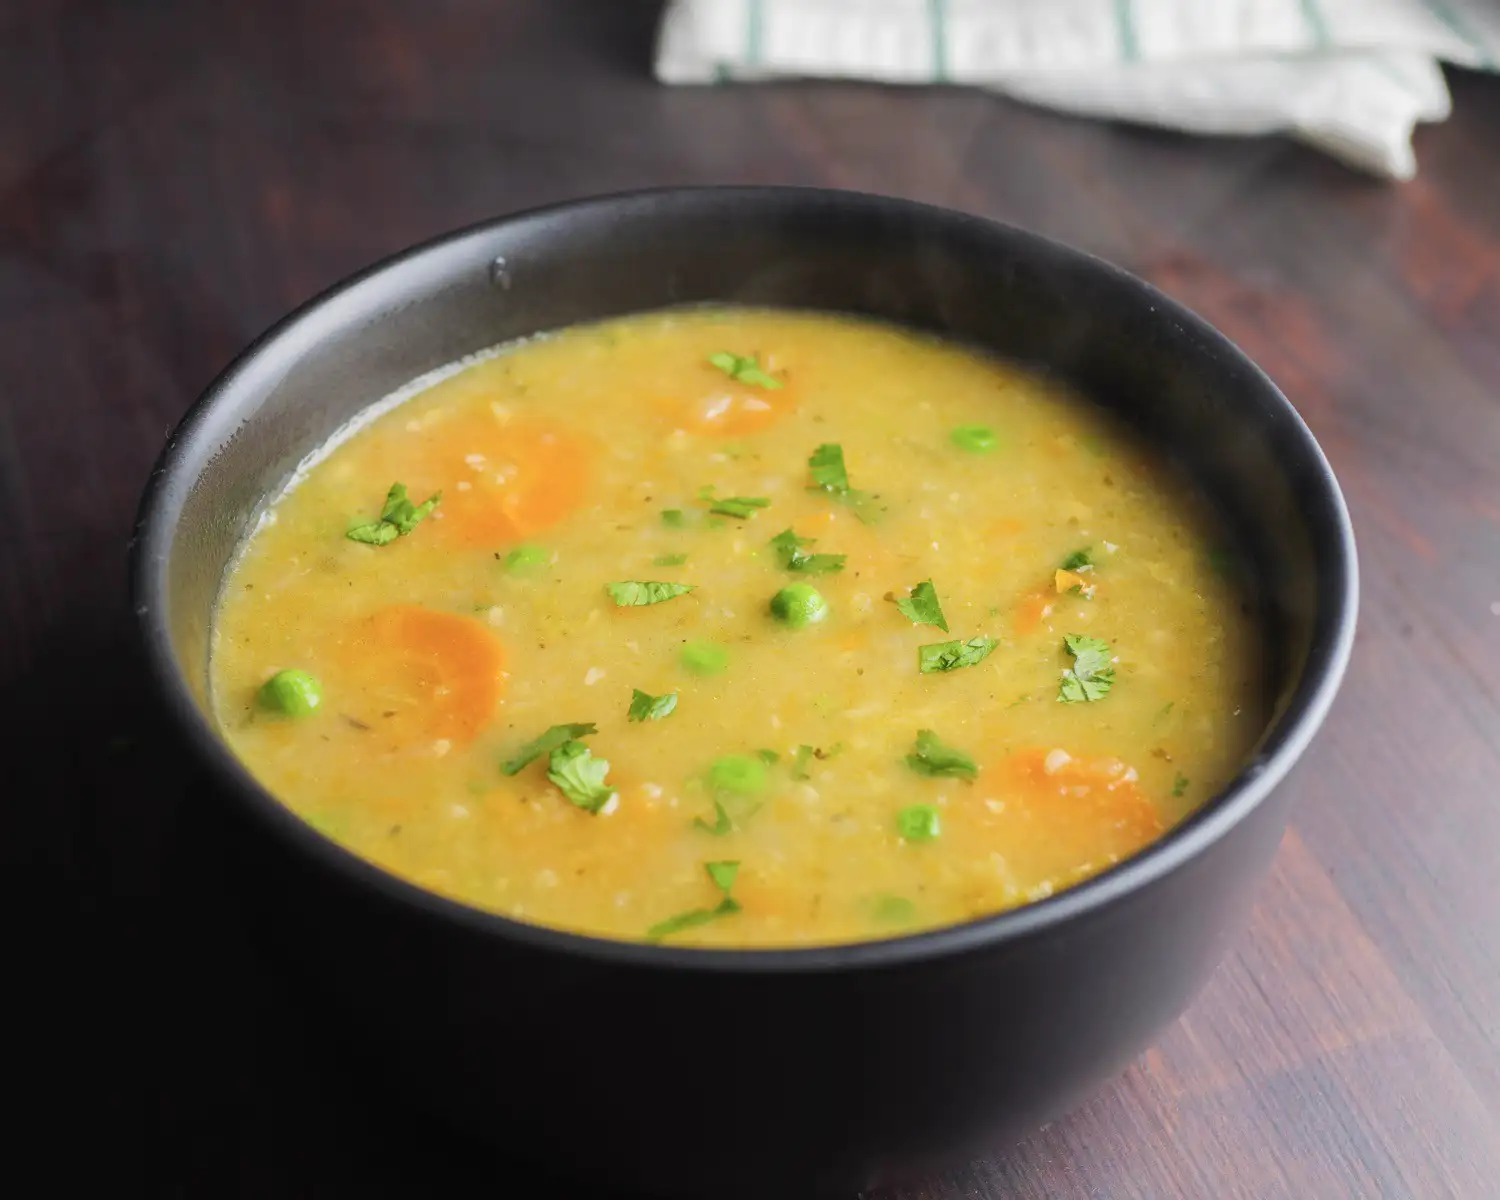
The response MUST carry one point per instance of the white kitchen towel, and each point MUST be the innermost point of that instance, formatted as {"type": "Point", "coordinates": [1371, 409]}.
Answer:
{"type": "Point", "coordinates": [1351, 77]}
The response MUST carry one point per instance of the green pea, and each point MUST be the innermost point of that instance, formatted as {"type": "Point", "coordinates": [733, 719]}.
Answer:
{"type": "Point", "coordinates": [704, 658]}
{"type": "Point", "coordinates": [743, 774]}
{"type": "Point", "coordinates": [799, 605]}
{"type": "Point", "coordinates": [976, 439]}
{"type": "Point", "coordinates": [919, 823]}
{"type": "Point", "coordinates": [295, 693]}
{"type": "Point", "coordinates": [525, 557]}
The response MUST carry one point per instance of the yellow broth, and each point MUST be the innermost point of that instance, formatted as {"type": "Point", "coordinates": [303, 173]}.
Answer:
{"type": "Point", "coordinates": [443, 651]}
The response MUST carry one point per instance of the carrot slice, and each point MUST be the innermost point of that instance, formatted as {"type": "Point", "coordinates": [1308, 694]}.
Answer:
{"type": "Point", "coordinates": [420, 674]}
{"type": "Point", "coordinates": [505, 479]}
{"type": "Point", "coordinates": [1098, 799]}
{"type": "Point", "coordinates": [1033, 610]}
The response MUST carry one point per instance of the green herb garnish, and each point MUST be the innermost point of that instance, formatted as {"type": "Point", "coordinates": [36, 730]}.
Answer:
{"type": "Point", "coordinates": [950, 656]}
{"type": "Point", "coordinates": [743, 369]}
{"type": "Point", "coordinates": [919, 823]}
{"type": "Point", "coordinates": [525, 557]}
{"type": "Point", "coordinates": [922, 607]}
{"type": "Point", "coordinates": [1091, 675]}
{"type": "Point", "coordinates": [740, 774]}
{"type": "Point", "coordinates": [669, 560]}
{"type": "Point", "coordinates": [769, 757]}
{"type": "Point", "coordinates": [580, 776]}
{"type": "Point", "coordinates": [635, 594]}
{"type": "Point", "coordinates": [398, 518]}
{"type": "Point", "coordinates": [646, 707]}
{"type": "Point", "coordinates": [931, 757]}
{"type": "Point", "coordinates": [826, 466]}
{"type": "Point", "coordinates": [1079, 560]}
{"type": "Point", "coordinates": [722, 875]}
{"type": "Point", "coordinates": [976, 439]}
{"type": "Point", "coordinates": [545, 744]}
{"type": "Point", "coordinates": [828, 473]}
{"type": "Point", "coordinates": [801, 759]}
{"type": "Point", "coordinates": [722, 824]}
{"type": "Point", "coordinates": [742, 507]}
{"type": "Point", "coordinates": [1180, 785]}
{"type": "Point", "coordinates": [789, 552]}
{"type": "Point", "coordinates": [673, 518]}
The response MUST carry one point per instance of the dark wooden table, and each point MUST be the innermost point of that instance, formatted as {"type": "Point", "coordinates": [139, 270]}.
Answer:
{"type": "Point", "coordinates": [176, 174]}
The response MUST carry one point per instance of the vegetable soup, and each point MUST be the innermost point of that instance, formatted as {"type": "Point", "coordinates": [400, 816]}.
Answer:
{"type": "Point", "coordinates": [738, 628]}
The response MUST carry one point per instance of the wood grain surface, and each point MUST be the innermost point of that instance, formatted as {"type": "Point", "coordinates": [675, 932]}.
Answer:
{"type": "Point", "coordinates": [175, 174]}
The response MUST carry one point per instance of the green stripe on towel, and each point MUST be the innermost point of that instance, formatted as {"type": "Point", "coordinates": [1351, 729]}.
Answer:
{"type": "Point", "coordinates": [1130, 46]}
{"type": "Point", "coordinates": [1443, 11]}
{"type": "Point", "coordinates": [1312, 13]}
{"type": "Point", "coordinates": [754, 19]}
{"type": "Point", "coordinates": [937, 20]}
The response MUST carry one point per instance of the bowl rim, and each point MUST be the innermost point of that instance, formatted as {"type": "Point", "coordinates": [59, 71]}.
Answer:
{"type": "Point", "coordinates": [1286, 738]}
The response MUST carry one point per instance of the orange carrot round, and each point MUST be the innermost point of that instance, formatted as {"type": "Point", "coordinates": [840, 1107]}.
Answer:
{"type": "Point", "coordinates": [422, 674]}
{"type": "Point", "coordinates": [505, 480]}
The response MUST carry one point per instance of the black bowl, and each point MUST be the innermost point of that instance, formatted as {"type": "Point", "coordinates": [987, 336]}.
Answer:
{"type": "Point", "coordinates": [759, 1072]}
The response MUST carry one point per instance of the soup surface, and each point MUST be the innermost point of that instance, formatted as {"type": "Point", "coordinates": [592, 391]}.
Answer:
{"type": "Point", "coordinates": [952, 641]}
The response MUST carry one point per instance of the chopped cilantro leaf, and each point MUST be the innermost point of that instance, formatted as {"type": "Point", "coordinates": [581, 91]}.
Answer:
{"type": "Point", "coordinates": [525, 557]}
{"type": "Point", "coordinates": [976, 439]}
{"type": "Point", "coordinates": [580, 776]}
{"type": "Point", "coordinates": [743, 369]}
{"type": "Point", "coordinates": [691, 920]}
{"type": "Point", "coordinates": [1180, 785]}
{"type": "Point", "coordinates": [1079, 560]}
{"type": "Point", "coordinates": [676, 924]}
{"type": "Point", "coordinates": [769, 757]}
{"type": "Point", "coordinates": [545, 744]}
{"type": "Point", "coordinates": [739, 774]}
{"type": "Point", "coordinates": [922, 607]}
{"type": "Point", "coordinates": [741, 507]}
{"type": "Point", "coordinates": [828, 473]}
{"type": "Point", "coordinates": [950, 656]}
{"type": "Point", "coordinates": [827, 469]}
{"type": "Point", "coordinates": [377, 533]}
{"type": "Point", "coordinates": [646, 707]}
{"type": "Point", "coordinates": [673, 518]}
{"type": "Point", "coordinates": [800, 760]}
{"type": "Point", "coordinates": [931, 757]}
{"type": "Point", "coordinates": [722, 824]}
{"type": "Point", "coordinates": [1091, 675]}
{"type": "Point", "coordinates": [634, 594]}
{"type": "Point", "coordinates": [722, 875]}
{"type": "Point", "coordinates": [398, 517]}
{"type": "Point", "coordinates": [789, 552]}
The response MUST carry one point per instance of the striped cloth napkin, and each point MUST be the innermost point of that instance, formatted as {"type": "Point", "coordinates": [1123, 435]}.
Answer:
{"type": "Point", "coordinates": [1351, 77]}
